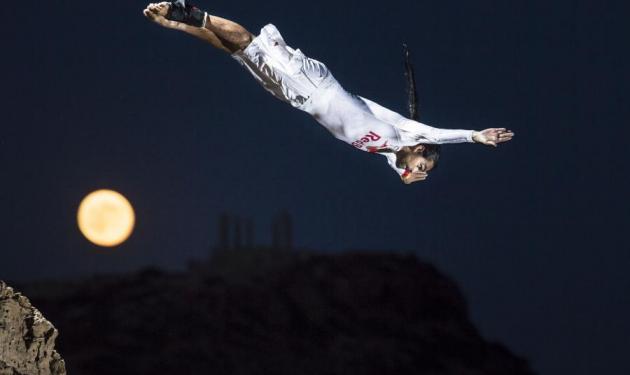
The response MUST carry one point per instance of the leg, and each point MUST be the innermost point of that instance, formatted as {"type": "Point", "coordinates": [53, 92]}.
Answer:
{"type": "Point", "coordinates": [221, 33]}
{"type": "Point", "coordinates": [233, 35]}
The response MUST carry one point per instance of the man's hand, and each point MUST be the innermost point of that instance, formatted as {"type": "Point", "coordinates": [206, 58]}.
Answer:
{"type": "Point", "coordinates": [492, 136]}
{"type": "Point", "coordinates": [156, 12]}
{"type": "Point", "coordinates": [414, 177]}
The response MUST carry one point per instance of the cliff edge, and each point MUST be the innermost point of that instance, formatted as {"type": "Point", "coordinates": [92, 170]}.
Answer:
{"type": "Point", "coordinates": [27, 339]}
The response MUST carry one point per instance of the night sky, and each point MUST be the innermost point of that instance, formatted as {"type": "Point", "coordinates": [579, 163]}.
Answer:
{"type": "Point", "coordinates": [535, 232]}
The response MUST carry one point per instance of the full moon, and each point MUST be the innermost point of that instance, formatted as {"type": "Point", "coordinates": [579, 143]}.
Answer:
{"type": "Point", "coordinates": [106, 218]}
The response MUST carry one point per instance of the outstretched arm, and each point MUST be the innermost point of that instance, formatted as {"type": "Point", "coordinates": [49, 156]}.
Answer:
{"type": "Point", "coordinates": [489, 137]}
{"type": "Point", "coordinates": [429, 134]}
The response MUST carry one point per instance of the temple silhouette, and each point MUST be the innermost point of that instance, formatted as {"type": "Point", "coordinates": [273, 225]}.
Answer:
{"type": "Point", "coordinates": [238, 233]}
{"type": "Point", "coordinates": [236, 251]}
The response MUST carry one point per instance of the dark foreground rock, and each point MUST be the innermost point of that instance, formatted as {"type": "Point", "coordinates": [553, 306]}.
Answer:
{"type": "Point", "coordinates": [315, 314]}
{"type": "Point", "coordinates": [27, 340]}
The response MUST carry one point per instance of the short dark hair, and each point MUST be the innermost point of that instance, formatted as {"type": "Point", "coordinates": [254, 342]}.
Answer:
{"type": "Point", "coordinates": [432, 152]}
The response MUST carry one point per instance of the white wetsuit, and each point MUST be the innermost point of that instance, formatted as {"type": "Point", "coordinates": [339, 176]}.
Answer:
{"type": "Point", "coordinates": [308, 85]}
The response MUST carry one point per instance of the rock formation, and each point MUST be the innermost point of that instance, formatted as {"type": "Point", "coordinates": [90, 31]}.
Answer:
{"type": "Point", "coordinates": [27, 340]}
{"type": "Point", "coordinates": [356, 313]}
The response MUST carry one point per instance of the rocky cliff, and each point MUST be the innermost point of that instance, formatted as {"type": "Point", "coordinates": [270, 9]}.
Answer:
{"type": "Point", "coordinates": [27, 340]}
{"type": "Point", "coordinates": [317, 314]}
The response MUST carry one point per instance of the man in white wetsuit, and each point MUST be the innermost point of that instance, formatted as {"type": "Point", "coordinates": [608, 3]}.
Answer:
{"type": "Point", "coordinates": [308, 85]}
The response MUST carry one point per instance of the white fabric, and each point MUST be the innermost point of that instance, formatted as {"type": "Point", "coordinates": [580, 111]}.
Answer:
{"type": "Point", "coordinates": [286, 73]}
{"type": "Point", "coordinates": [308, 85]}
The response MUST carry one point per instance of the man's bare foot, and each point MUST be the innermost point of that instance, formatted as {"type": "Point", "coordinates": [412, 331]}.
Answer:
{"type": "Point", "coordinates": [157, 12]}
{"type": "Point", "coordinates": [160, 9]}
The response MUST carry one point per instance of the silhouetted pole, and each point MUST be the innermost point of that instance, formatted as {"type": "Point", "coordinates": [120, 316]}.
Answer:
{"type": "Point", "coordinates": [224, 231]}
{"type": "Point", "coordinates": [275, 233]}
{"type": "Point", "coordinates": [238, 235]}
{"type": "Point", "coordinates": [282, 231]}
{"type": "Point", "coordinates": [288, 230]}
{"type": "Point", "coordinates": [249, 233]}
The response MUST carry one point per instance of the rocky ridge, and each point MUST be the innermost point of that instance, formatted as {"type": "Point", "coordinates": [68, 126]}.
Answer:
{"type": "Point", "coordinates": [27, 339]}
{"type": "Point", "coordinates": [355, 313]}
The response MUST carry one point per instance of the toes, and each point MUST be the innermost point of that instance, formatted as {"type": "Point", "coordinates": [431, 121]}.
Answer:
{"type": "Point", "coordinates": [149, 14]}
{"type": "Point", "coordinates": [163, 8]}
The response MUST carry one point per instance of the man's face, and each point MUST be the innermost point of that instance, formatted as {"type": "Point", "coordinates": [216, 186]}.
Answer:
{"type": "Point", "coordinates": [413, 161]}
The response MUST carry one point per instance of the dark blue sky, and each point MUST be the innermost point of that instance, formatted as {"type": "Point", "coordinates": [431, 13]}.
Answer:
{"type": "Point", "coordinates": [535, 232]}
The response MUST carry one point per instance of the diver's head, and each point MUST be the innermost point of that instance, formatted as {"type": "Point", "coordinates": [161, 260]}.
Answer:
{"type": "Point", "coordinates": [418, 158]}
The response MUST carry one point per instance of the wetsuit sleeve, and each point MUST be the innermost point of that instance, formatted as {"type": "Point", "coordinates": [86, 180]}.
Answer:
{"type": "Point", "coordinates": [417, 131]}
{"type": "Point", "coordinates": [428, 134]}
